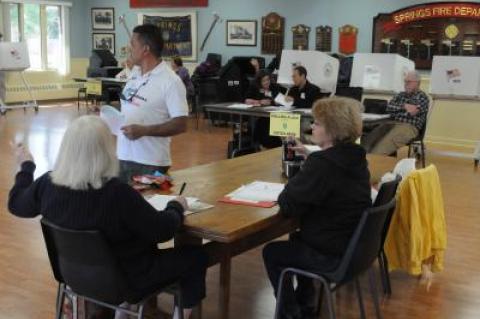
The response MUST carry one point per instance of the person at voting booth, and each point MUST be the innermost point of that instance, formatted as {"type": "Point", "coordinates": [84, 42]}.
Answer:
{"type": "Point", "coordinates": [262, 92]}
{"type": "Point", "coordinates": [83, 193]}
{"type": "Point", "coordinates": [408, 111]}
{"type": "Point", "coordinates": [328, 196]}
{"type": "Point", "coordinates": [303, 94]}
{"type": "Point", "coordinates": [154, 105]}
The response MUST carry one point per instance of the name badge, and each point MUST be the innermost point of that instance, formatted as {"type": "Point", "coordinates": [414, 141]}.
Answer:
{"type": "Point", "coordinates": [302, 96]}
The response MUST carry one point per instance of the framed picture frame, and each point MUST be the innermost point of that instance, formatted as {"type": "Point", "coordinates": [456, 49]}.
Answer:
{"type": "Point", "coordinates": [179, 32]}
{"type": "Point", "coordinates": [103, 19]}
{"type": "Point", "coordinates": [241, 33]}
{"type": "Point", "coordinates": [103, 41]}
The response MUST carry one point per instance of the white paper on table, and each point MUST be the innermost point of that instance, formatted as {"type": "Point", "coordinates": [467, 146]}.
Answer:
{"type": "Point", "coordinates": [159, 202]}
{"type": "Point", "coordinates": [258, 192]}
{"type": "Point", "coordinates": [113, 118]}
{"type": "Point", "coordinates": [372, 117]}
{"type": "Point", "coordinates": [280, 99]}
{"type": "Point", "coordinates": [240, 106]}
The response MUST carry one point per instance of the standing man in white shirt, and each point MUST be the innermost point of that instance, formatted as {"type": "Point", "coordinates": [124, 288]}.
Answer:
{"type": "Point", "coordinates": [154, 105]}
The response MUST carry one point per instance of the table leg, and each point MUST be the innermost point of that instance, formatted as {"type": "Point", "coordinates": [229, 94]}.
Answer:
{"type": "Point", "coordinates": [240, 133]}
{"type": "Point", "coordinates": [225, 274]}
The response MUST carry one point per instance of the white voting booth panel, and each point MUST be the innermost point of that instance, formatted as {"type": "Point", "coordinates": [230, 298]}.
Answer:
{"type": "Point", "coordinates": [380, 71]}
{"type": "Point", "coordinates": [322, 69]}
{"type": "Point", "coordinates": [14, 56]}
{"type": "Point", "coordinates": [455, 75]}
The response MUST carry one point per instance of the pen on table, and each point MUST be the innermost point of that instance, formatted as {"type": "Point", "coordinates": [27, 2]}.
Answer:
{"type": "Point", "coordinates": [182, 188]}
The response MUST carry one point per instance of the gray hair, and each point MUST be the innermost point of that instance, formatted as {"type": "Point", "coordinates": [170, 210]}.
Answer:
{"type": "Point", "coordinates": [415, 74]}
{"type": "Point", "coordinates": [87, 157]}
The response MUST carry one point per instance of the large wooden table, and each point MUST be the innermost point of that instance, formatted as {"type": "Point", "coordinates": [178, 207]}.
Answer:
{"type": "Point", "coordinates": [231, 229]}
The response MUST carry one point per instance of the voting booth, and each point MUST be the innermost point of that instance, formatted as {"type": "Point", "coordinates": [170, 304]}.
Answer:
{"type": "Point", "coordinates": [380, 71]}
{"type": "Point", "coordinates": [14, 58]}
{"type": "Point", "coordinates": [322, 69]}
{"type": "Point", "coordinates": [455, 76]}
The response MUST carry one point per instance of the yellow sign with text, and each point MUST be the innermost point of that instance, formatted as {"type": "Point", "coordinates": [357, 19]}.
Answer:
{"type": "Point", "coordinates": [94, 87]}
{"type": "Point", "coordinates": [284, 124]}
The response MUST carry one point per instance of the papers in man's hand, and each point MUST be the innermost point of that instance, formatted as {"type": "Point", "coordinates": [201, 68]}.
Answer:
{"type": "Point", "coordinates": [113, 118]}
{"type": "Point", "coordinates": [159, 202]}
{"type": "Point", "coordinates": [257, 192]}
{"type": "Point", "coordinates": [280, 99]}
{"type": "Point", "coordinates": [240, 106]}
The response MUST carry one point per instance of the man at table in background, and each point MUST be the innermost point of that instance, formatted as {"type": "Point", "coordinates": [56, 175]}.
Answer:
{"type": "Point", "coordinates": [154, 105]}
{"type": "Point", "coordinates": [408, 111]}
{"type": "Point", "coordinates": [303, 94]}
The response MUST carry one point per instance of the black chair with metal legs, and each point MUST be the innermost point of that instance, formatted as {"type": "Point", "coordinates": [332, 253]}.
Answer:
{"type": "Point", "coordinates": [386, 193]}
{"type": "Point", "coordinates": [84, 266]}
{"type": "Point", "coordinates": [81, 94]}
{"type": "Point", "coordinates": [418, 142]}
{"type": "Point", "coordinates": [361, 252]}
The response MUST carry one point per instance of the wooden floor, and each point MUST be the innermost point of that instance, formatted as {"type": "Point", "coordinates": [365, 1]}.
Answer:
{"type": "Point", "coordinates": [27, 289]}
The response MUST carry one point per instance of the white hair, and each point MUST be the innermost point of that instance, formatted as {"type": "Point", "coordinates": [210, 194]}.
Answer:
{"type": "Point", "coordinates": [87, 157]}
{"type": "Point", "coordinates": [415, 74]}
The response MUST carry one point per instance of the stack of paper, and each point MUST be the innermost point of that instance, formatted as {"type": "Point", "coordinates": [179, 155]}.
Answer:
{"type": "Point", "coordinates": [258, 193]}
{"type": "Point", "coordinates": [159, 202]}
{"type": "Point", "coordinates": [280, 99]}
{"type": "Point", "coordinates": [113, 118]}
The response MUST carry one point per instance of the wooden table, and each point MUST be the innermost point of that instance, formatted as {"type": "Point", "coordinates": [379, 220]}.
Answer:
{"type": "Point", "coordinates": [232, 229]}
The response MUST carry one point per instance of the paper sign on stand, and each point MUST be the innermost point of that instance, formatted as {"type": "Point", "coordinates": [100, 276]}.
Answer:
{"type": "Point", "coordinates": [284, 124]}
{"type": "Point", "coordinates": [94, 87]}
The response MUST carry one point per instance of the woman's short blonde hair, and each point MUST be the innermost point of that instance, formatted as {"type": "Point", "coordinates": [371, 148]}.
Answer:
{"type": "Point", "coordinates": [341, 118]}
{"type": "Point", "coordinates": [87, 157]}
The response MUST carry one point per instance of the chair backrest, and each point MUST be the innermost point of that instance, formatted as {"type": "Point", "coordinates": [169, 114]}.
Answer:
{"type": "Point", "coordinates": [376, 106]}
{"type": "Point", "coordinates": [84, 262]}
{"type": "Point", "coordinates": [364, 245]}
{"type": "Point", "coordinates": [386, 193]}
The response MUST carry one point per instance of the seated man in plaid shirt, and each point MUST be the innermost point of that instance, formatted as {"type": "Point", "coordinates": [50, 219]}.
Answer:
{"type": "Point", "coordinates": [408, 111]}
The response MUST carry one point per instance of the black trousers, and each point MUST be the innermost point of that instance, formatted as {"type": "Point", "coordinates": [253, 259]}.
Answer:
{"type": "Point", "coordinates": [295, 254]}
{"type": "Point", "coordinates": [186, 265]}
{"type": "Point", "coordinates": [261, 134]}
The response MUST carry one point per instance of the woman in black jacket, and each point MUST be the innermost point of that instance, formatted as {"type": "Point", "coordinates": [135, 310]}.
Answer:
{"type": "Point", "coordinates": [262, 92]}
{"type": "Point", "coordinates": [83, 193]}
{"type": "Point", "coordinates": [328, 196]}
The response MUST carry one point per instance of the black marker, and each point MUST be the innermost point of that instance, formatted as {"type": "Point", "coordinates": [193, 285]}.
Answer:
{"type": "Point", "coordinates": [182, 189]}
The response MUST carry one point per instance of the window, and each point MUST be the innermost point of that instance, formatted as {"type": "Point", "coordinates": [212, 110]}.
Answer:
{"type": "Point", "coordinates": [41, 25]}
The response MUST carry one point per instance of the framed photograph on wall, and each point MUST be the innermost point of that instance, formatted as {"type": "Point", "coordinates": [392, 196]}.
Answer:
{"type": "Point", "coordinates": [104, 41]}
{"type": "Point", "coordinates": [103, 19]}
{"type": "Point", "coordinates": [179, 32]}
{"type": "Point", "coordinates": [242, 33]}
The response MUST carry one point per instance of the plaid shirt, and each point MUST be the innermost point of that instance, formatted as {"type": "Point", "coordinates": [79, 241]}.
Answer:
{"type": "Point", "coordinates": [398, 113]}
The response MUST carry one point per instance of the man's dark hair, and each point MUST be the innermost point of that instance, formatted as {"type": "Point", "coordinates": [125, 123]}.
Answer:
{"type": "Point", "coordinates": [150, 35]}
{"type": "Point", "coordinates": [301, 70]}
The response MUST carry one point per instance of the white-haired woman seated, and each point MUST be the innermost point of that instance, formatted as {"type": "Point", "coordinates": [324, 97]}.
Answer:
{"type": "Point", "coordinates": [83, 193]}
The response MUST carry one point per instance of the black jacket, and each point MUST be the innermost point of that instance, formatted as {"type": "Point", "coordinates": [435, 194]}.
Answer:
{"type": "Point", "coordinates": [306, 96]}
{"type": "Point", "coordinates": [329, 195]}
{"type": "Point", "coordinates": [129, 223]}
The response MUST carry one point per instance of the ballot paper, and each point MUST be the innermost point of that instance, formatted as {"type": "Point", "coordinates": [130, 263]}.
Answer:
{"type": "Point", "coordinates": [240, 106]}
{"type": "Point", "coordinates": [373, 117]}
{"type": "Point", "coordinates": [280, 99]}
{"type": "Point", "coordinates": [257, 192]}
{"type": "Point", "coordinates": [159, 202]}
{"type": "Point", "coordinates": [113, 118]}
